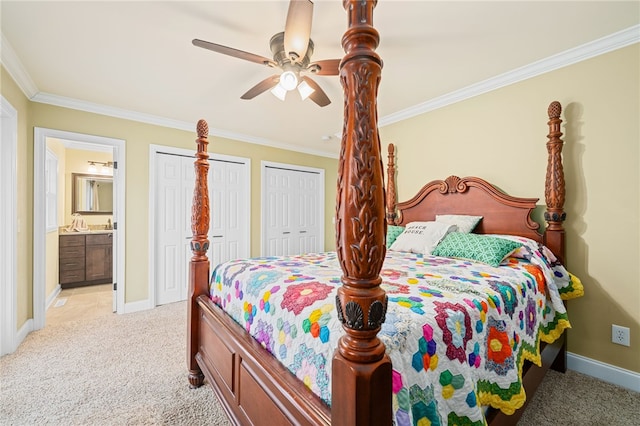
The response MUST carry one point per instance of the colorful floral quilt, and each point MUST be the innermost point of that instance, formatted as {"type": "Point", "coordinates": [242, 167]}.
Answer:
{"type": "Point", "coordinates": [457, 332]}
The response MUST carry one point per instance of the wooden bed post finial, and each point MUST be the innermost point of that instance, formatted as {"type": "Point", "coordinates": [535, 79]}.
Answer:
{"type": "Point", "coordinates": [391, 185]}
{"type": "Point", "coordinates": [554, 188]}
{"type": "Point", "coordinates": [199, 265]}
{"type": "Point", "coordinates": [361, 371]}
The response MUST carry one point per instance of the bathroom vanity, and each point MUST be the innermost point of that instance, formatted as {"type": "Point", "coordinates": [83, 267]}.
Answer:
{"type": "Point", "coordinates": [85, 258]}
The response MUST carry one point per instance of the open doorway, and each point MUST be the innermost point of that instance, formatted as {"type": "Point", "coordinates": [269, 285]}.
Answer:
{"type": "Point", "coordinates": [76, 141]}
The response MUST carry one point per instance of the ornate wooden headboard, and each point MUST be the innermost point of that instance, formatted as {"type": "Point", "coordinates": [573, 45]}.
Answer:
{"type": "Point", "coordinates": [502, 213]}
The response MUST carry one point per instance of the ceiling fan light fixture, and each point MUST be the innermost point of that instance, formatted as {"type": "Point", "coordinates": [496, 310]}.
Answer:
{"type": "Point", "coordinates": [305, 90]}
{"type": "Point", "coordinates": [288, 80]}
{"type": "Point", "coordinates": [279, 92]}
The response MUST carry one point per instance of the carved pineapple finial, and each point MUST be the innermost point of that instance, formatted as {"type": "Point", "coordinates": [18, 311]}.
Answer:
{"type": "Point", "coordinates": [554, 110]}
{"type": "Point", "coordinates": [202, 128]}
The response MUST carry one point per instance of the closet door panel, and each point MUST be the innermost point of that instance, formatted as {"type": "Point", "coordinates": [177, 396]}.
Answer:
{"type": "Point", "coordinates": [169, 229]}
{"type": "Point", "coordinates": [292, 218]}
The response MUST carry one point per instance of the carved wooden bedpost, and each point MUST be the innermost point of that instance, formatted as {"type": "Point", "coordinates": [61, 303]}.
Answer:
{"type": "Point", "coordinates": [361, 369]}
{"type": "Point", "coordinates": [391, 185]}
{"type": "Point", "coordinates": [199, 265]}
{"type": "Point", "coordinates": [554, 188]}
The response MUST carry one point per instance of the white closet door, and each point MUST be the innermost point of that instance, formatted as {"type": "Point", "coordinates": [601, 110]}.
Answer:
{"type": "Point", "coordinates": [170, 262]}
{"type": "Point", "coordinates": [308, 227]}
{"type": "Point", "coordinates": [280, 199]}
{"type": "Point", "coordinates": [228, 230]}
{"type": "Point", "coordinates": [237, 214]}
{"type": "Point", "coordinates": [292, 211]}
{"type": "Point", "coordinates": [229, 212]}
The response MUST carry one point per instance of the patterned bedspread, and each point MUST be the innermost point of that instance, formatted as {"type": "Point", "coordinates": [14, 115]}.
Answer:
{"type": "Point", "coordinates": [457, 332]}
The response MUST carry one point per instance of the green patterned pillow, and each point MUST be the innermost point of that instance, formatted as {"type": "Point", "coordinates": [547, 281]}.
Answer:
{"type": "Point", "coordinates": [392, 233]}
{"type": "Point", "coordinates": [481, 248]}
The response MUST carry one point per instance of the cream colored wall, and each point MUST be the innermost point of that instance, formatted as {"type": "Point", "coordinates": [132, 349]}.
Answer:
{"type": "Point", "coordinates": [24, 169]}
{"type": "Point", "coordinates": [138, 137]}
{"type": "Point", "coordinates": [501, 137]}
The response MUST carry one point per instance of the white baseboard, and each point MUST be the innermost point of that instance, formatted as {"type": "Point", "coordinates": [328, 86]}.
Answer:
{"type": "Point", "coordinates": [605, 372]}
{"type": "Point", "coordinates": [141, 305]}
{"type": "Point", "coordinates": [26, 328]}
{"type": "Point", "coordinates": [52, 297]}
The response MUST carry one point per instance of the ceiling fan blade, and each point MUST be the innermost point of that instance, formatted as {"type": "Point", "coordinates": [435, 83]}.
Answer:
{"type": "Point", "coordinates": [325, 67]}
{"type": "Point", "coordinates": [234, 52]}
{"type": "Point", "coordinates": [297, 29]}
{"type": "Point", "coordinates": [318, 96]}
{"type": "Point", "coordinates": [261, 87]}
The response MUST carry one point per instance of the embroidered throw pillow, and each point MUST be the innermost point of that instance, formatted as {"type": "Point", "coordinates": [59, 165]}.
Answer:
{"type": "Point", "coordinates": [481, 248]}
{"type": "Point", "coordinates": [421, 237]}
{"type": "Point", "coordinates": [465, 223]}
{"type": "Point", "coordinates": [392, 233]}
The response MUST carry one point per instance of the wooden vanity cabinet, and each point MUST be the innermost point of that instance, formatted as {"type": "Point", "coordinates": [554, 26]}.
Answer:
{"type": "Point", "coordinates": [85, 259]}
{"type": "Point", "coordinates": [71, 259]}
{"type": "Point", "coordinates": [98, 259]}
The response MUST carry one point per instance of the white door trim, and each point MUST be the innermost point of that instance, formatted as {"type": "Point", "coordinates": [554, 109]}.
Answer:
{"type": "Point", "coordinates": [157, 149]}
{"type": "Point", "coordinates": [263, 199]}
{"type": "Point", "coordinates": [80, 141]}
{"type": "Point", "coordinates": [8, 224]}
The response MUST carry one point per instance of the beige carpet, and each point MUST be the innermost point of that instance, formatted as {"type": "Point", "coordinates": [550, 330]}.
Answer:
{"type": "Point", "coordinates": [131, 370]}
{"type": "Point", "coordinates": [110, 370]}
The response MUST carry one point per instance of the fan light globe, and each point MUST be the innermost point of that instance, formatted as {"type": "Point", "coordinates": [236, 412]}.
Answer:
{"type": "Point", "coordinates": [279, 92]}
{"type": "Point", "coordinates": [288, 80]}
{"type": "Point", "coordinates": [305, 90]}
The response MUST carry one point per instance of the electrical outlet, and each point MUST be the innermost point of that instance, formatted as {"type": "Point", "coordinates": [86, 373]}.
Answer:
{"type": "Point", "coordinates": [620, 335]}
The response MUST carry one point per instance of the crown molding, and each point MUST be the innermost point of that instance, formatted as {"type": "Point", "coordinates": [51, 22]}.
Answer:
{"type": "Point", "coordinates": [589, 50]}
{"type": "Point", "coordinates": [61, 101]}
{"type": "Point", "coordinates": [14, 67]}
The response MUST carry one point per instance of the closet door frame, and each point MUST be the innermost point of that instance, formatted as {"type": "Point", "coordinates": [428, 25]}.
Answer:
{"type": "Point", "coordinates": [263, 200]}
{"type": "Point", "coordinates": [159, 149]}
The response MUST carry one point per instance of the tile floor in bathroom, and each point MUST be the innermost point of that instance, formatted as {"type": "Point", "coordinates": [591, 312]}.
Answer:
{"type": "Point", "coordinates": [81, 303]}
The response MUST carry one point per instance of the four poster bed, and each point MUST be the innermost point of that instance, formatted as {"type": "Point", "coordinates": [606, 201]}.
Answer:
{"type": "Point", "coordinates": [372, 334]}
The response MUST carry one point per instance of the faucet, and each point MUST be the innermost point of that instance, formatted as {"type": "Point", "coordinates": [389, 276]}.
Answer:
{"type": "Point", "coordinates": [109, 224]}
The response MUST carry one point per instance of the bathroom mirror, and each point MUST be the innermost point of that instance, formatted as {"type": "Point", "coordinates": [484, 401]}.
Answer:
{"type": "Point", "coordinates": [92, 194]}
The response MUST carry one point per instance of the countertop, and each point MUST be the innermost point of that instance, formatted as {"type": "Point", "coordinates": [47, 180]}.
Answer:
{"type": "Point", "coordinates": [90, 231]}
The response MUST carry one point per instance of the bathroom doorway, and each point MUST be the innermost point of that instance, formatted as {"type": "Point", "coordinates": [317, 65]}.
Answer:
{"type": "Point", "coordinates": [75, 141]}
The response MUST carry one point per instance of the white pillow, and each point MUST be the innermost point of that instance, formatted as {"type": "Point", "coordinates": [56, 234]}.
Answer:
{"type": "Point", "coordinates": [422, 237]}
{"type": "Point", "coordinates": [465, 223]}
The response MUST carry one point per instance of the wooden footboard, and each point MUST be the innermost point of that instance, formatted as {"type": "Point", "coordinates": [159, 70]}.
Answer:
{"type": "Point", "coordinates": [248, 380]}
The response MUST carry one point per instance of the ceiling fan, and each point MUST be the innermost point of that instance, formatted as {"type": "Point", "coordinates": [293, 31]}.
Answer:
{"type": "Point", "coordinates": [292, 50]}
